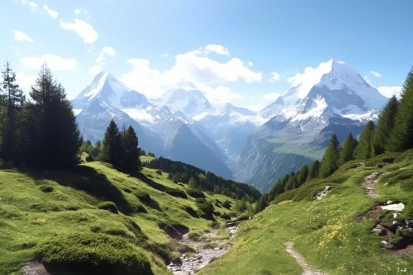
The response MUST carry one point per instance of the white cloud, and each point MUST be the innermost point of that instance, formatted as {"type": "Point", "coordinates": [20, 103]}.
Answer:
{"type": "Point", "coordinates": [21, 36]}
{"type": "Point", "coordinates": [271, 96]}
{"type": "Point", "coordinates": [32, 5]}
{"type": "Point", "coordinates": [25, 81]}
{"type": "Point", "coordinates": [55, 63]}
{"type": "Point", "coordinates": [375, 74]}
{"type": "Point", "coordinates": [218, 49]}
{"type": "Point", "coordinates": [79, 11]}
{"type": "Point", "coordinates": [105, 51]}
{"type": "Point", "coordinates": [195, 67]}
{"type": "Point", "coordinates": [95, 69]}
{"type": "Point", "coordinates": [83, 29]}
{"type": "Point", "coordinates": [390, 91]}
{"type": "Point", "coordinates": [52, 13]}
{"type": "Point", "coordinates": [275, 76]}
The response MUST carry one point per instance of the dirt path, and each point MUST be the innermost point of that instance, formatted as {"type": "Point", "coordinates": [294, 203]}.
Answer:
{"type": "Point", "coordinates": [307, 270]}
{"type": "Point", "coordinates": [370, 183]}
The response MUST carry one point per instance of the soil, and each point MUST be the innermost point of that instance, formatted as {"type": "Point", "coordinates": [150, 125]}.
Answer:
{"type": "Point", "coordinates": [370, 183]}
{"type": "Point", "coordinates": [307, 269]}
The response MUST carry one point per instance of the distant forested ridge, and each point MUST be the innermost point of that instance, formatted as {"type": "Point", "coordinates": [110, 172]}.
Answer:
{"type": "Point", "coordinates": [204, 180]}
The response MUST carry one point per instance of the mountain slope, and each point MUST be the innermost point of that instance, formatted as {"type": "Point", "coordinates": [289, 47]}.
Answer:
{"type": "Point", "coordinates": [332, 98]}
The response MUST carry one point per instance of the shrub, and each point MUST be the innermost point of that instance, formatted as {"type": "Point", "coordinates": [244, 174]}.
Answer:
{"type": "Point", "coordinates": [108, 205]}
{"type": "Point", "coordinates": [195, 193]}
{"type": "Point", "coordinates": [46, 189]}
{"type": "Point", "coordinates": [159, 172]}
{"type": "Point", "coordinates": [142, 196]}
{"type": "Point", "coordinates": [92, 253]}
{"type": "Point", "coordinates": [190, 211]}
{"type": "Point", "coordinates": [176, 192]}
{"type": "Point", "coordinates": [286, 196]}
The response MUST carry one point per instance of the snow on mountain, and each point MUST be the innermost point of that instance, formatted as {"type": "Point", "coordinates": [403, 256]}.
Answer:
{"type": "Point", "coordinates": [111, 91]}
{"type": "Point", "coordinates": [344, 91]}
{"type": "Point", "coordinates": [184, 97]}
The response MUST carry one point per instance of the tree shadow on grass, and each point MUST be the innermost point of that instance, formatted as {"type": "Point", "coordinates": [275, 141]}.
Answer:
{"type": "Point", "coordinates": [86, 179]}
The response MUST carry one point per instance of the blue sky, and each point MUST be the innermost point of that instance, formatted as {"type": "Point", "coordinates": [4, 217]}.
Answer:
{"type": "Point", "coordinates": [244, 52]}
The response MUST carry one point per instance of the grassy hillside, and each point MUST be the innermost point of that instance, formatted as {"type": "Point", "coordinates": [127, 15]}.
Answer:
{"type": "Point", "coordinates": [42, 211]}
{"type": "Point", "coordinates": [333, 234]}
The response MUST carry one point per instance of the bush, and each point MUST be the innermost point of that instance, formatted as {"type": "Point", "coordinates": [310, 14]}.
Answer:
{"type": "Point", "coordinates": [92, 253]}
{"type": "Point", "coordinates": [176, 193]}
{"type": "Point", "coordinates": [46, 189]}
{"type": "Point", "coordinates": [108, 205]}
{"type": "Point", "coordinates": [159, 172]}
{"type": "Point", "coordinates": [142, 196]}
{"type": "Point", "coordinates": [286, 196]}
{"type": "Point", "coordinates": [195, 193]}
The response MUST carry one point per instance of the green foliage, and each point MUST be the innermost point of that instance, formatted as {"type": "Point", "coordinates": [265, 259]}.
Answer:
{"type": "Point", "coordinates": [51, 138]}
{"type": "Point", "coordinates": [314, 170]}
{"type": "Point", "coordinates": [93, 253]}
{"type": "Point", "coordinates": [329, 162]}
{"type": "Point", "coordinates": [347, 149]}
{"type": "Point", "coordinates": [364, 149]}
{"type": "Point", "coordinates": [288, 195]}
{"type": "Point", "coordinates": [176, 192]}
{"type": "Point", "coordinates": [195, 193]}
{"type": "Point", "coordinates": [401, 137]}
{"type": "Point", "coordinates": [111, 144]}
{"type": "Point", "coordinates": [385, 126]}
{"type": "Point", "coordinates": [108, 205]}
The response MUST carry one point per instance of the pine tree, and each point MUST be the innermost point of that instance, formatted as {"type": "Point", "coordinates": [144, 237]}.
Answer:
{"type": "Point", "coordinates": [110, 151]}
{"type": "Point", "coordinates": [302, 175]}
{"type": "Point", "coordinates": [12, 102]}
{"type": "Point", "coordinates": [347, 149]}
{"type": "Point", "coordinates": [53, 138]}
{"type": "Point", "coordinates": [364, 149]}
{"type": "Point", "coordinates": [314, 170]}
{"type": "Point", "coordinates": [385, 126]}
{"type": "Point", "coordinates": [401, 137]}
{"type": "Point", "coordinates": [329, 162]}
{"type": "Point", "coordinates": [130, 155]}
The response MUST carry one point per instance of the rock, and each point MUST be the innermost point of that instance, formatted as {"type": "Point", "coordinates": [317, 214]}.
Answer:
{"type": "Point", "coordinates": [387, 245]}
{"type": "Point", "coordinates": [182, 273]}
{"type": "Point", "coordinates": [393, 207]}
{"type": "Point", "coordinates": [389, 202]}
{"type": "Point", "coordinates": [229, 224]}
{"type": "Point", "coordinates": [378, 230]}
{"type": "Point", "coordinates": [321, 194]}
{"type": "Point", "coordinates": [216, 248]}
{"type": "Point", "coordinates": [213, 259]}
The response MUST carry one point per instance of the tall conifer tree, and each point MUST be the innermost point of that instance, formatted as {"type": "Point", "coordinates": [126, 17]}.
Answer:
{"type": "Point", "coordinates": [53, 138]}
{"type": "Point", "coordinates": [111, 145]}
{"type": "Point", "coordinates": [385, 126]}
{"type": "Point", "coordinates": [329, 162]}
{"type": "Point", "coordinates": [364, 149]}
{"type": "Point", "coordinates": [401, 137]}
{"type": "Point", "coordinates": [347, 149]}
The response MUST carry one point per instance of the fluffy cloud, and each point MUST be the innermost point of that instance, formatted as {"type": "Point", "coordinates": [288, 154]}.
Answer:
{"type": "Point", "coordinates": [375, 74]}
{"type": "Point", "coordinates": [194, 66]}
{"type": "Point", "coordinates": [21, 36]}
{"type": "Point", "coordinates": [55, 63]}
{"type": "Point", "coordinates": [82, 29]}
{"type": "Point", "coordinates": [271, 96]}
{"type": "Point", "coordinates": [52, 13]}
{"type": "Point", "coordinates": [25, 81]}
{"type": "Point", "coordinates": [218, 49]}
{"type": "Point", "coordinates": [219, 95]}
{"type": "Point", "coordinates": [390, 91]}
{"type": "Point", "coordinates": [275, 76]}
{"type": "Point", "coordinates": [32, 5]}
{"type": "Point", "coordinates": [105, 51]}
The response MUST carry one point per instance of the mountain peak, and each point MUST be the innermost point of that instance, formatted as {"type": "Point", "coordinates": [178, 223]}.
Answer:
{"type": "Point", "coordinates": [110, 90]}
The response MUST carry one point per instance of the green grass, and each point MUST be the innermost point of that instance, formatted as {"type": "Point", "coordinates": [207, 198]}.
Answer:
{"type": "Point", "coordinates": [38, 205]}
{"type": "Point", "coordinates": [324, 231]}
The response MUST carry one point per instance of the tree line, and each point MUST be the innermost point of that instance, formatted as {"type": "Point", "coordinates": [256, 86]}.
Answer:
{"type": "Point", "coordinates": [392, 133]}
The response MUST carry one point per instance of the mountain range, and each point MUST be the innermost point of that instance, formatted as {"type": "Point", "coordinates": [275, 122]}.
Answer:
{"type": "Point", "coordinates": [234, 142]}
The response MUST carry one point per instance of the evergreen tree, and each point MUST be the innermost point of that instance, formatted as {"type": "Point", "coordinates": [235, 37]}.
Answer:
{"type": "Point", "coordinates": [130, 151]}
{"type": "Point", "coordinates": [12, 102]}
{"type": "Point", "coordinates": [347, 149]}
{"type": "Point", "coordinates": [364, 149]}
{"type": "Point", "coordinates": [302, 175]}
{"type": "Point", "coordinates": [401, 137]}
{"type": "Point", "coordinates": [314, 170]}
{"type": "Point", "coordinates": [52, 136]}
{"type": "Point", "coordinates": [329, 162]}
{"type": "Point", "coordinates": [111, 145]}
{"type": "Point", "coordinates": [385, 126]}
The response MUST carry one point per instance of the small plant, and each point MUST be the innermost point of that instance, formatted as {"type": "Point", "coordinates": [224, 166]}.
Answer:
{"type": "Point", "coordinates": [108, 205]}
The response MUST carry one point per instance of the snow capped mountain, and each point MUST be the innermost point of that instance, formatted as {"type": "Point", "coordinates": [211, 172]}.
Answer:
{"type": "Point", "coordinates": [186, 98]}
{"type": "Point", "coordinates": [332, 85]}
{"type": "Point", "coordinates": [111, 91]}
{"type": "Point", "coordinates": [333, 98]}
